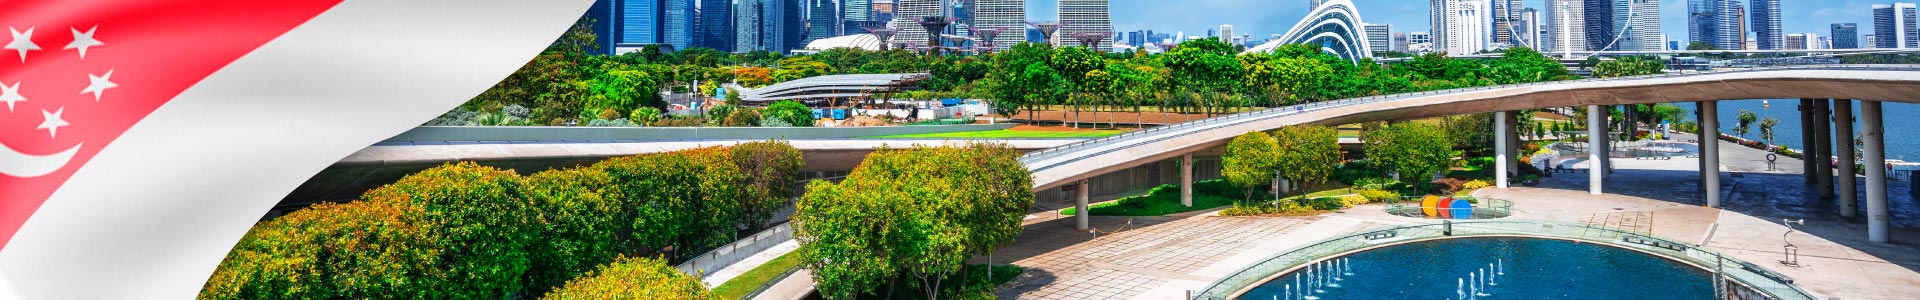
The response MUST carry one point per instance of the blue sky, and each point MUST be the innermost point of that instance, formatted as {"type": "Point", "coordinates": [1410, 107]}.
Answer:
{"type": "Point", "coordinates": [1263, 17]}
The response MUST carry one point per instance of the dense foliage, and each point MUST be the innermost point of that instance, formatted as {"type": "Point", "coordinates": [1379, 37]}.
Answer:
{"type": "Point", "coordinates": [1415, 151]}
{"type": "Point", "coordinates": [1307, 154]}
{"type": "Point", "coordinates": [633, 278]}
{"type": "Point", "coordinates": [909, 218]}
{"type": "Point", "coordinates": [1250, 160]}
{"type": "Point", "coordinates": [466, 231]}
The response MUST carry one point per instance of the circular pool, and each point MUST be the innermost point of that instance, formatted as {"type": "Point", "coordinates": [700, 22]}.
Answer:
{"type": "Point", "coordinates": [1491, 268]}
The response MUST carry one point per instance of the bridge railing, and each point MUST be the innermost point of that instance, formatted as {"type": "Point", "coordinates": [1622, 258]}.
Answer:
{"type": "Point", "coordinates": [1033, 160]}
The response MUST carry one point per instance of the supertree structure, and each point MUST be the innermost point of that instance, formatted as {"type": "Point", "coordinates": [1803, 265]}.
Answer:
{"type": "Point", "coordinates": [934, 25]}
{"type": "Point", "coordinates": [985, 37]}
{"type": "Point", "coordinates": [885, 35]}
{"type": "Point", "coordinates": [1047, 29]}
{"type": "Point", "coordinates": [1089, 39]}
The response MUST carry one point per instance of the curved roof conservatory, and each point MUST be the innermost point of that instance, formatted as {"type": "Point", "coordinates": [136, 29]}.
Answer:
{"type": "Point", "coordinates": [1335, 26]}
{"type": "Point", "coordinates": [863, 41]}
{"type": "Point", "coordinates": [823, 89]}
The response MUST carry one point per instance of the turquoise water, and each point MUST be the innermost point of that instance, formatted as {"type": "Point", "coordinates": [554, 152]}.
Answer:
{"type": "Point", "coordinates": [1902, 122]}
{"type": "Point", "coordinates": [1533, 269]}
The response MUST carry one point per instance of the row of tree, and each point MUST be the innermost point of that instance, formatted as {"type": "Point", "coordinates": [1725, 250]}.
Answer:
{"type": "Point", "coordinates": [466, 231]}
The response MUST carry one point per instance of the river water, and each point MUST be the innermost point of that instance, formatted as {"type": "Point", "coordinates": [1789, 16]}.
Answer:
{"type": "Point", "coordinates": [1902, 123]}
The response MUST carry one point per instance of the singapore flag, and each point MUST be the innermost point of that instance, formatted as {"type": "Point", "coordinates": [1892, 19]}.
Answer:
{"type": "Point", "coordinates": [140, 139]}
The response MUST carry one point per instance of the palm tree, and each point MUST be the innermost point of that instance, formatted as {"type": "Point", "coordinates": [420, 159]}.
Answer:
{"type": "Point", "coordinates": [1745, 123]}
{"type": "Point", "coordinates": [1766, 129]}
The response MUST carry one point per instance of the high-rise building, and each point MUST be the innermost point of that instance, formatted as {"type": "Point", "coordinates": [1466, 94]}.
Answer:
{"type": "Point", "coordinates": [1566, 27]}
{"type": "Point", "coordinates": [883, 10]}
{"type": "Point", "coordinates": [678, 22]}
{"type": "Point", "coordinates": [1379, 37]}
{"type": "Point", "coordinates": [1638, 23]}
{"type": "Point", "coordinates": [823, 20]}
{"type": "Point", "coordinates": [1528, 29]}
{"type": "Point", "coordinates": [1868, 42]}
{"type": "Point", "coordinates": [1797, 41]}
{"type": "Point", "coordinates": [1312, 4]}
{"type": "Point", "coordinates": [640, 22]}
{"type": "Point", "coordinates": [906, 18]}
{"type": "Point", "coordinates": [784, 28]}
{"type": "Point", "coordinates": [1825, 42]}
{"type": "Point", "coordinates": [1506, 18]}
{"type": "Point", "coordinates": [716, 25]}
{"type": "Point", "coordinates": [1894, 26]}
{"type": "Point", "coordinates": [1419, 37]}
{"type": "Point", "coordinates": [1601, 27]}
{"type": "Point", "coordinates": [1084, 16]}
{"type": "Point", "coordinates": [1461, 26]}
{"type": "Point", "coordinates": [1399, 41]}
{"type": "Point", "coordinates": [604, 18]}
{"type": "Point", "coordinates": [1226, 33]}
{"type": "Point", "coordinates": [1740, 21]}
{"type": "Point", "coordinates": [1713, 22]}
{"type": "Point", "coordinates": [1006, 15]}
{"type": "Point", "coordinates": [747, 25]}
{"type": "Point", "coordinates": [1845, 35]}
{"type": "Point", "coordinates": [1766, 23]}
{"type": "Point", "coordinates": [856, 10]}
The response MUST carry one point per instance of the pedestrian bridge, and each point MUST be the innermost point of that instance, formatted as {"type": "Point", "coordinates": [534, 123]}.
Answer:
{"type": "Point", "coordinates": [1077, 161]}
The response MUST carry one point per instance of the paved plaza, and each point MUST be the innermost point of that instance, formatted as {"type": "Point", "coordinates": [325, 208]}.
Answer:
{"type": "Point", "coordinates": [1166, 257]}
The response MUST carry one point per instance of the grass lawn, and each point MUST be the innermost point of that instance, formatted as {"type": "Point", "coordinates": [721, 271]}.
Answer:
{"type": "Point", "coordinates": [1005, 134]}
{"type": "Point", "coordinates": [738, 287]}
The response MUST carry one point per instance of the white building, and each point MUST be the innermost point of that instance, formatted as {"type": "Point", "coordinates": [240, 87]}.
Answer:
{"type": "Point", "coordinates": [1566, 27]}
{"type": "Point", "coordinates": [1380, 37]}
{"type": "Point", "coordinates": [1008, 15]}
{"type": "Point", "coordinates": [1084, 16]}
{"type": "Point", "coordinates": [1797, 41]}
{"type": "Point", "coordinates": [1226, 33]}
{"type": "Point", "coordinates": [1462, 26]}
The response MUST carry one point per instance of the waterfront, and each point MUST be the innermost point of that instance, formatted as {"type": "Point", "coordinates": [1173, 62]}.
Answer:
{"type": "Point", "coordinates": [1902, 122]}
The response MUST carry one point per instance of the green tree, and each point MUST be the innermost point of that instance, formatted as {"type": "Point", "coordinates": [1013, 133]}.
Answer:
{"type": "Point", "coordinates": [580, 225]}
{"type": "Point", "coordinates": [911, 217]}
{"type": "Point", "coordinates": [790, 111]}
{"type": "Point", "coordinates": [1411, 149]}
{"type": "Point", "coordinates": [1744, 123]}
{"type": "Point", "coordinates": [633, 278]}
{"type": "Point", "coordinates": [1628, 66]}
{"type": "Point", "coordinates": [1249, 161]}
{"type": "Point", "coordinates": [771, 172]}
{"type": "Point", "coordinates": [1766, 129]}
{"type": "Point", "coordinates": [1206, 67]}
{"type": "Point", "coordinates": [1307, 154]}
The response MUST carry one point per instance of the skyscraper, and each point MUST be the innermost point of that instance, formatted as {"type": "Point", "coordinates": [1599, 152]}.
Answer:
{"type": "Point", "coordinates": [1006, 15]}
{"type": "Point", "coordinates": [1461, 27]}
{"type": "Point", "coordinates": [1566, 27]}
{"type": "Point", "coordinates": [783, 28]}
{"type": "Point", "coordinates": [1713, 22]}
{"type": "Point", "coordinates": [716, 25]}
{"type": "Point", "coordinates": [1601, 24]}
{"type": "Point", "coordinates": [1845, 35]}
{"type": "Point", "coordinates": [823, 20]}
{"type": "Point", "coordinates": [640, 22]}
{"type": "Point", "coordinates": [906, 18]}
{"type": "Point", "coordinates": [1528, 29]}
{"type": "Point", "coordinates": [1084, 16]}
{"type": "Point", "coordinates": [856, 10]}
{"type": "Point", "coordinates": [1894, 26]}
{"type": "Point", "coordinates": [1312, 4]}
{"type": "Point", "coordinates": [1226, 33]}
{"type": "Point", "coordinates": [1639, 26]}
{"type": "Point", "coordinates": [747, 25]}
{"type": "Point", "coordinates": [1740, 22]}
{"type": "Point", "coordinates": [677, 23]}
{"type": "Point", "coordinates": [1797, 41]}
{"type": "Point", "coordinates": [1506, 15]}
{"type": "Point", "coordinates": [1379, 37]}
{"type": "Point", "coordinates": [1399, 42]}
{"type": "Point", "coordinates": [1766, 23]}
{"type": "Point", "coordinates": [605, 23]}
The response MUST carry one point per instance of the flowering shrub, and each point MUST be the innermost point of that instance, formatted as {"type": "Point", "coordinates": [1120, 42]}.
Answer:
{"type": "Point", "coordinates": [1475, 185]}
{"type": "Point", "coordinates": [633, 278]}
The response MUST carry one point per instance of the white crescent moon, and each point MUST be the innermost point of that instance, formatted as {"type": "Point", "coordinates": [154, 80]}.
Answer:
{"type": "Point", "coordinates": [16, 164]}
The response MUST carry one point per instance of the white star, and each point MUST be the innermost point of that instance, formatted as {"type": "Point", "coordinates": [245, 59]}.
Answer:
{"type": "Point", "coordinates": [22, 42]}
{"type": "Point", "coordinates": [83, 40]}
{"type": "Point", "coordinates": [11, 95]}
{"type": "Point", "coordinates": [53, 122]}
{"type": "Point", "coordinates": [99, 84]}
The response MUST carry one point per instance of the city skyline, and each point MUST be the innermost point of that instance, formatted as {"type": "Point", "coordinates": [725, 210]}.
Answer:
{"type": "Point", "coordinates": [1194, 17]}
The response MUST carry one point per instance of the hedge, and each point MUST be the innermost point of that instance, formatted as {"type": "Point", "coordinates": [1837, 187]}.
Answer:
{"type": "Point", "coordinates": [465, 231]}
{"type": "Point", "coordinates": [633, 278]}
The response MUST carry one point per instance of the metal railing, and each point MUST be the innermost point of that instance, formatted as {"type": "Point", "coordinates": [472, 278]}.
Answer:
{"type": "Point", "coordinates": [1483, 208]}
{"type": "Point", "coordinates": [1738, 276]}
{"type": "Point", "coordinates": [734, 252]}
{"type": "Point", "coordinates": [1039, 160]}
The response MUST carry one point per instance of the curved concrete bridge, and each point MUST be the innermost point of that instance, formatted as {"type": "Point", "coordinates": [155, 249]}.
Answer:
{"type": "Point", "coordinates": [1074, 163]}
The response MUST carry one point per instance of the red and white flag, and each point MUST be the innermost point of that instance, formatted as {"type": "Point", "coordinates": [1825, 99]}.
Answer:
{"type": "Point", "coordinates": [140, 139]}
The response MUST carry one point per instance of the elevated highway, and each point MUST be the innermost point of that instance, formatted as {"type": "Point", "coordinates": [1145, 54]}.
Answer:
{"type": "Point", "coordinates": [1074, 163]}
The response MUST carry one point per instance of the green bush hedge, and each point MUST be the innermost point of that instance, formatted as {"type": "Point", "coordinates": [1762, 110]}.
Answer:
{"type": "Point", "coordinates": [633, 278]}
{"type": "Point", "coordinates": [465, 231]}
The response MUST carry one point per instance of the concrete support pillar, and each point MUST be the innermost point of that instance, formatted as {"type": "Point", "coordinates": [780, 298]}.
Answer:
{"type": "Point", "coordinates": [1823, 140]}
{"type": "Point", "coordinates": [1843, 130]}
{"type": "Point", "coordinates": [1710, 152]}
{"type": "Point", "coordinates": [1186, 180]}
{"type": "Point", "coordinates": [1513, 147]}
{"type": "Point", "coordinates": [1502, 149]}
{"type": "Point", "coordinates": [1606, 142]}
{"type": "Point", "coordinates": [1080, 206]}
{"type": "Point", "coordinates": [1873, 134]}
{"type": "Point", "coordinates": [1596, 148]}
{"type": "Point", "coordinates": [1806, 140]}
